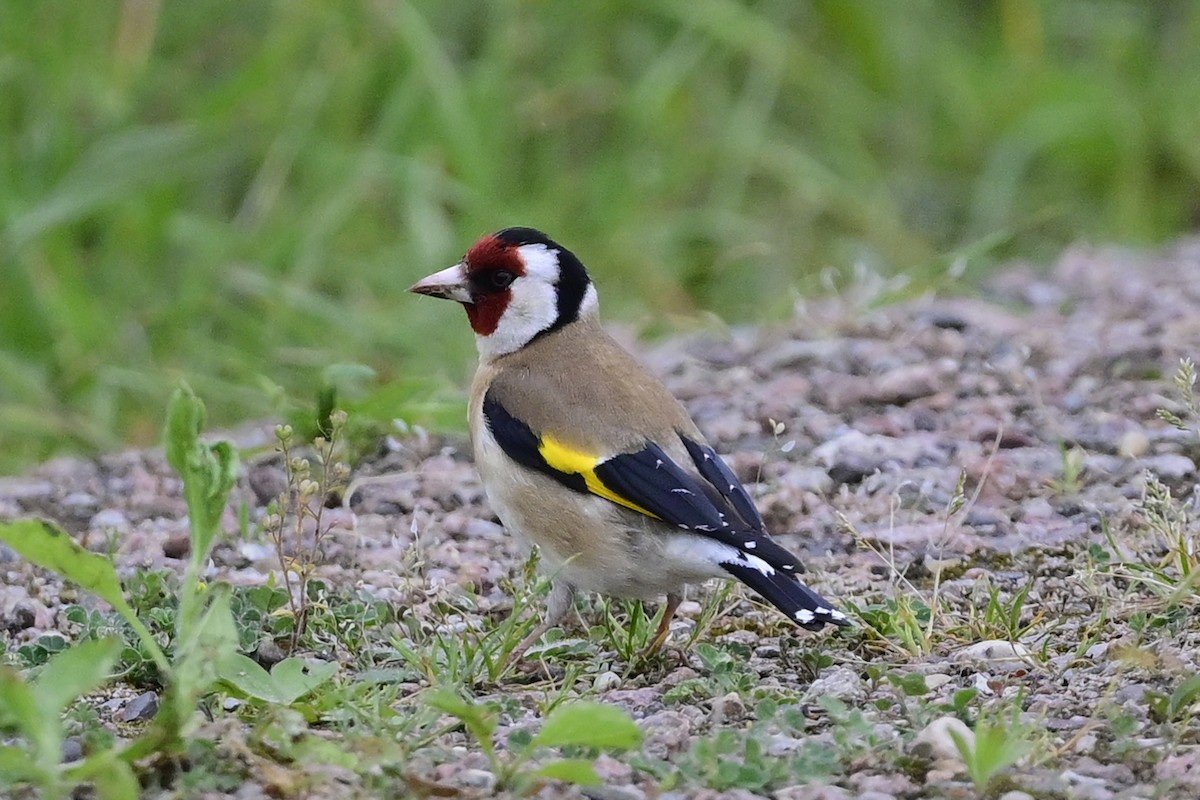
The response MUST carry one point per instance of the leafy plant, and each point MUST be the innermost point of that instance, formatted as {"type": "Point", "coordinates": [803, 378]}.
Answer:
{"type": "Point", "coordinates": [726, 669]}
{"type": "Point", "coordinates": [997, 745]}
{"type": "Point", "coordinates": [295, 523]}
{"type": "Point", "coordinates": [743, 759]}
{"type": "Point", "coordinates": [1178, 704]}
{"type": "Point", "coordinates": [204, 633]}
{"type": "Point", "coordinates": [1070, 476]}
{"type": "Point", "coordinates": [287, 682]}
{"type": "Point", "coordinates": [586, 725]}
{"type": "Point", "coordinates": [34, 710]}
{"type": "Point", "coordinates": [627, 631]}
{"type": "Point", "coordinates": [453, 646]}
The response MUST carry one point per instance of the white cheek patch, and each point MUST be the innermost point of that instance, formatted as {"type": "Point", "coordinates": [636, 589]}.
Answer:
{"type": "Point", "coordinates": [533, 306]}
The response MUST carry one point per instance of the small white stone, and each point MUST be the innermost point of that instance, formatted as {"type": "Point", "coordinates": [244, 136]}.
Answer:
{"type": "Point", "coordinates": [606, 681]}
{"type": "Point", "coordinates": [996, 654]}
{"type": "Point", "coordinates": [940, 736]}
{"type": "Point", "coordinates": [843, 683]}
{"type": "Point", "coordinates": [936, 680]}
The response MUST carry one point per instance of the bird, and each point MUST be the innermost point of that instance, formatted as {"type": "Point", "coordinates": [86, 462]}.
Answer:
{"type": "Point", "coordinates": [583, 452]}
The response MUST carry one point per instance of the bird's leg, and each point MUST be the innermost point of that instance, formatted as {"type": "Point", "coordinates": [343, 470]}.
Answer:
{"type": "Point", "coordinates": [562, 598]}
{"type": "Point", "coordinates": [664, 627]}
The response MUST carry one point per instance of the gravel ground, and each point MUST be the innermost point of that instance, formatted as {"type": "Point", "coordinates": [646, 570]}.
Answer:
{"type": "Point", "coordinates": [853, 428]}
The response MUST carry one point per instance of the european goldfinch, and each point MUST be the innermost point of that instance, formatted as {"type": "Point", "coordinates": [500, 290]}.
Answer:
{"type": "Point", "coordinates": [586, 454]}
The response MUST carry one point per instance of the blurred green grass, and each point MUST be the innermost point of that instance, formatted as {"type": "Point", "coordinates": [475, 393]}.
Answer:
{"type": "Point", "coordinates": [239, 192]}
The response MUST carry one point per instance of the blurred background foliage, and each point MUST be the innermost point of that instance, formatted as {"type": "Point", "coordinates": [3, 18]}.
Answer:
{"type": "Point", "coordinates": [239, 191]}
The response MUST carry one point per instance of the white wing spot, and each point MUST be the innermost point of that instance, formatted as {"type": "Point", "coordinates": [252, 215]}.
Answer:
{"type": "Point", "coordinates": [804, 615]}
{"type": "Point", "coordinates": [751, 545]}
{"type": "Point", "coordinates": [658, 463]}
{"type": "Point", "coordinates": [682, 491]}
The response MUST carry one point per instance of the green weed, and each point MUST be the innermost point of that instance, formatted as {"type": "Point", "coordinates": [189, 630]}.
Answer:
{"type": "Point", "coordinates": [295, 521]}
{"type": "Point", "coordinates": [204, 634]}
{"type": "Point", "coordinates": [997, 745]}
{"type": "Point", "coordinates": [33, 710]}
{"type": "Point", "coordinates": [733, 758]}
{"type": "Point", "coordinates": [454, 648]}
{"type": "Point", "coordinates": [590, 727]}
{"type": "Point", "coordinates": [725, 670]}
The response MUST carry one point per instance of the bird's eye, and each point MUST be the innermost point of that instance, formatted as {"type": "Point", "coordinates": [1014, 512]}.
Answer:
{"type": "Point", "coordinates": [500, 279]}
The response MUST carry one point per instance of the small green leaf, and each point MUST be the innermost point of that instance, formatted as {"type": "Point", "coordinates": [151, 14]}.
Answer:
{"type": "Point", "coordinates": [15, 766]}
{"type": "Point", "coordinates": [74, 672]}
{"type": "Point", "coordinates": [20, 706]}
{"type": "Point", "coordinates": [296, 677]}
{"type": "Point", "coordinates": [208, 471]}
{"type": "Point", "coordinates": [962, 698]}
{"type": "Point", "coordinates": [588, 724]}
{"type": "Point", "coordinates": [1184, 695]}
{"type": "Point", "coordinates": [480, 723]}
{"type": "Point", "coordinates": [43, 543]}
{"type": "Point", "coordinates": [248, 677]}
{"type": "Point", "coordinates": [185, 420]}
{"type": "Point", "coordinates": [578, 771]}
{"type": "Point", "coordinates": [912, 684]}
{"type": "Point", "coordinates": [206, 646]}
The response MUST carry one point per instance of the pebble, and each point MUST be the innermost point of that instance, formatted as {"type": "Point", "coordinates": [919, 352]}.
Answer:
{"type": "Point", "coordinates": [995, 654]}
{"type": "Point", "coordinates": [177, 546]}
{"type": "Point", "coordinates": [905, 384]}
{"type": "Point", "coordinates": [1133, 444]}
{"type": "Point", "coordinates": [1171, 468]}
{"type": "Point", "coordinates": [72, 749]}
{"type": "Point", "coordinates": [80, 505]}
{"type": "Point", "coordinates": [142, 707]}
{"type": "Point", "coordinates": [1180, 769]}
{"type": "Point", "coordinates": [478, 779]}
{"type": "Point", "coordinates": [22, 617]}
{"type": "Point", "coordinates": [1085, 787]}
{"type": "Point", "coordinates": [666, 732]}
{"type": "Point", "coordinates": [851, 470]}
{"type": "Point", "coordinates": [812, 791]}
{"type": "Point", "coordinates": [606, 681]}
{"type": "Point", "coordinates": [936, 680]}
{"type": "Point", "coordinates": [843, 683]}
{"type": "Point", "coordinates": [727, 710]}
{"type": "Point", "coordinates": [939, 737]}
{"type": "Point", "coordinates": [110, 519]}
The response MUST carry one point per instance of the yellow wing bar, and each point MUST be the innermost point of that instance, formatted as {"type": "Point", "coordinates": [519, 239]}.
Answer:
{"type": "Point", "coordinates": [562, 458]}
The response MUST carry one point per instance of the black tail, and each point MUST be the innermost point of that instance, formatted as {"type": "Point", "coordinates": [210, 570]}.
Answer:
{"type": "Point", "coordinates": [801, 604]}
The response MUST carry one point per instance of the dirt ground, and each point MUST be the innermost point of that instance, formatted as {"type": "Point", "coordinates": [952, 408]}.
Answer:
{"type": "Point", "coordinates": [983, 482]}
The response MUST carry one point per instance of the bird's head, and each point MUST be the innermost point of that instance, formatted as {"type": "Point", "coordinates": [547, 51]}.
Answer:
{"type": "Point", "coordinates": [516, 285]}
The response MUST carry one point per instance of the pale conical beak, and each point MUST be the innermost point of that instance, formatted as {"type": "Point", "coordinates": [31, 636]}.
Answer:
{"type": "Point", "coordinates": [450, 284]}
